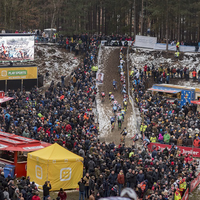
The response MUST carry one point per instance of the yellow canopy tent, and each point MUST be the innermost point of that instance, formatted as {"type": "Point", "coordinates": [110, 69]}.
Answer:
{"type": "Point", "coordinates": [54, 163]}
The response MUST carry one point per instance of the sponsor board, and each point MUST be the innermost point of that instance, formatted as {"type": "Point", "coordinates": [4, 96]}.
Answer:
{"type": "Point", "coordinates": [195, 183]}
{"type": "Point", "coordinates": [184, 150]}
{"type": "Point", "coordinates": [186, 195]}
{"type": "Point", "coordinates": [10, 73]}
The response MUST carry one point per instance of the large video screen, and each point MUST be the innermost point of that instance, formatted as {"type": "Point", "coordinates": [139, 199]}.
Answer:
{"type": "Point", "coordinates": [16, 48]}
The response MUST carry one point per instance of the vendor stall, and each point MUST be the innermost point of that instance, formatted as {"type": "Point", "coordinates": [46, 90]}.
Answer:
{"type": "Point", "coordinates": [182, 93]}
{"type": "Point", "coordinates": [3, 98]}
{"type": "Point", "coordinates": [13, 151]}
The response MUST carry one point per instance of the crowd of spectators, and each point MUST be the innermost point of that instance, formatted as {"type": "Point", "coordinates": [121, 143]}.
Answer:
{"type": "Point", "coordinates": [64, 114]}
{"type": "Point", "coordinates": [164, 121]}
{"type": "Point", "coordinates": [163, 74]}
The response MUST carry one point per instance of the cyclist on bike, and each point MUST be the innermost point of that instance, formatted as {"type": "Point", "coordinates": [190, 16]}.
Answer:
{"type": "Point", "coordinates": [112, 120]}
{"type": "Point", "coordinates": [125, 105]}
{"type": "Point", "coordinates": [122, 79]}
{"type": "Point", "coordinates": [112, 97]}
{"type": "Point", "coordinates": [114, 84]}
{"type": "Point", "coordinates": [124, 132]}
{"type": "Point", "coordinates": [115, 103]}
{"type": "Point", "coordinates": [120, 68]}
{"type": "Point", "coordinates": [119, 107]}
{"type": "Point", "coordinates": [114, 109]}
{"type": "Point", "coordinates": [102, 96]}
{"type": "Point", "coordinates": [109, 94]}
{"type": "Point", "coordinates": [123, 112]}
{"type": "Point", "coordinates": [119, 120]}
{"type": "Point", "coordinates": [124, 90]}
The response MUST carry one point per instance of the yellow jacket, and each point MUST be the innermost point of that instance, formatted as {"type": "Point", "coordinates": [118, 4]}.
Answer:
{"type": "Point", "coordinates": [153, 139]}
{"type": "Point", "coordinates": [143, 128]}
{"type": "Point", "coordinates": [177, 196]}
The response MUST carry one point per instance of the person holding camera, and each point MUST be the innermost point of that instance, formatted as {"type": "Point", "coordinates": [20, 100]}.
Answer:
{"type": "Point", "coordinates": [46, 188]}
{"type": "Point", "coordinates": [81, 184]}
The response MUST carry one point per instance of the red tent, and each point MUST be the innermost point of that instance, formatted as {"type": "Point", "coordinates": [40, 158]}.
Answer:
{"type": "Point", "coordinates": [12, 147]}
{"type": "Point", "coordinates": [3, 98]}
{"type": "Point", "coordinates": [196, 102]}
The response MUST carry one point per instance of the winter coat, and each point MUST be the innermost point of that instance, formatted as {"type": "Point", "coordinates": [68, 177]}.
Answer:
{"type": "Point", "coordinates": [180, 141]}
{"type": "Point", "coordinates": [81, 186]}
{"type": "Point", "coordinates": [120, 178]}
{"type": "Point", "coordinates": [129, 176]}
{"type": "Point", "coordinates": [155, 176]}
{"type": "Point", "coordinates": [166, 138]}
{"type": "Point", "coordinates": [112, 179]}
{"type": "Point", "coordinates": [140, 178]}
{"type": "Point", "coordinates": [160, 137]}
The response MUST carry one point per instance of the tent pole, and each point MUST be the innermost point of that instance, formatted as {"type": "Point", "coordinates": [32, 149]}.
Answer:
{"type": "Point", "coordinates": [15, 158]}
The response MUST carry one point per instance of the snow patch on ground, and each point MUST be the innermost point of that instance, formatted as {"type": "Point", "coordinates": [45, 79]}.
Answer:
{"type": "Point", "coordinates": [104, 114]}
{"type": "Point", "coordinates": [54, 60]}
{"type": "Point", "coordinates": [143, 56]}
{"type": "Point", "coordinates": [131, 128]}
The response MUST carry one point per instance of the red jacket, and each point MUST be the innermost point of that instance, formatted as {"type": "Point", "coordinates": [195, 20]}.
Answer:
{"type": "Point", "coordinates": [35, 197]}
{"type": "Point", "coordinates": [186, 159]}
{"type": "Point", "coordinates": [196, 143]}
{"type": "Point", "coordinates": [68, 127]}
{"type": "Point", "coordinates": [120, 178]}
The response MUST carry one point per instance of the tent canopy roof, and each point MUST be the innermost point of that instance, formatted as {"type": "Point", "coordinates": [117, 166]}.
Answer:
{"type": "Point", "coordinates": [55, 152]}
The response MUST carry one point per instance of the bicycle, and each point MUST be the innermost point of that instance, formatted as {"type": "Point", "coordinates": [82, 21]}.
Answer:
{"type": "Point", "coordinates": [125, 108]}
{"type": "Point", "coordinates": [102, 99]}
{"type": "Point", "coordinates": [112, 126]}
{"type": "Point", "coordinates": [119, 125]}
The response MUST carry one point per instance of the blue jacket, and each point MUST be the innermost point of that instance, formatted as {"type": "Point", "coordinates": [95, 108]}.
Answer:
{"type": "Point", "coordinates": [140, 178]}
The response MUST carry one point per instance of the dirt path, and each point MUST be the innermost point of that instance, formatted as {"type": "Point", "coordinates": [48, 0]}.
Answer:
{"type": "Point", "coordinates": [109, 62]}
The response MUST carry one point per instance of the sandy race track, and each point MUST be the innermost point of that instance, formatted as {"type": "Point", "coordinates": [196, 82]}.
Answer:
{"type": "Point", "coordinates": [108, 64]}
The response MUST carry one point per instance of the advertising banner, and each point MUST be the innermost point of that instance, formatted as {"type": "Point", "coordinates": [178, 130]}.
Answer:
{"type": "Point", "coordinates": [195, 183]}
{"type": "Point", "coordinates": [99, 77]}
{"type": "Point", "coordinates": [16, 48]}
{"type": "Point", "coordinates": [14, 73]}
{"type": "Point", "coordinates": [145, 41]}
{"type": "Point", "coordinates": [186, 195]}
{"type": "Point", "coordinates": [184, 150]}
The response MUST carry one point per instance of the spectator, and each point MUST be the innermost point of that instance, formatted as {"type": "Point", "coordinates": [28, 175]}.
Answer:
{"type": "Point", "coordinates": [46, 188]}
{"type": "Point", "coordinates": [140, 177]}
{"type": "Point", "coordinates": [166, 138]}
{"type": "Point", "coordinates": [196, 142]}
{"type": "Point", "coordinates": [120, 180]}
{"type": "Point", "coordinates": [87, 180]}
{"type": "Point", "coordinates": [62, 194]}
{"type": "Point", "coordinates": [81, 184]}
{"type": "Point", "coordinates": [36, 197]}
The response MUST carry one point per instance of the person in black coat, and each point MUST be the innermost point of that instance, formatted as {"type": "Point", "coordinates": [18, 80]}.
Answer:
{"type": "Point", "coordinates": [140, 177]}
{"type": "Point", "coordinates": [46, 188]}
{"type": "Point", "coordinates": [81, 184]}
{"type": "Point", "coordinates": [133, 179]}
{"type": "Point", "coordinates": [155, 175]}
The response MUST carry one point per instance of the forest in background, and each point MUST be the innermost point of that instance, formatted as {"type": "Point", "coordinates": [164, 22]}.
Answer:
{"type": "Point", "coordinates": [172, 19]}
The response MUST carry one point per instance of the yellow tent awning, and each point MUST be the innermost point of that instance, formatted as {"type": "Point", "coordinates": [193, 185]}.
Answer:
{"type": "Point", "coordinates": [55, 152]}
{"type": "Point", "coordinates": [56, 164]}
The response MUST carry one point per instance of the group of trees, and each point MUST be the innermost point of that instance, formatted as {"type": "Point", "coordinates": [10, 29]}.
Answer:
{"type": "Point", "coordinates": [161, 18]}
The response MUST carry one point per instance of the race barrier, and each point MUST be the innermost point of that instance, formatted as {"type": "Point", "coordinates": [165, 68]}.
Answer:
{"type": "Point", "coordinates": [184, 150]}
{"type": "Point", "coordinates": [136, 122]}
{"type": "Point", "coordinates": [195, 183]}
{"type": "Point", "coordinates": [186, 195]}
{"type": "Point", "coordinates": [183, 48]}
{"type": "Point", "coordinates": [145, 41]}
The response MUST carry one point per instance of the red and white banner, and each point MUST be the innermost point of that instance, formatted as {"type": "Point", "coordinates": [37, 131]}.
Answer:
{"type": "Point", "coordinates": [186, 195]}
{"type": "Point", "coordinates": [184, 150]}
{"type": "Point", "coordinates": [195, 183]}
